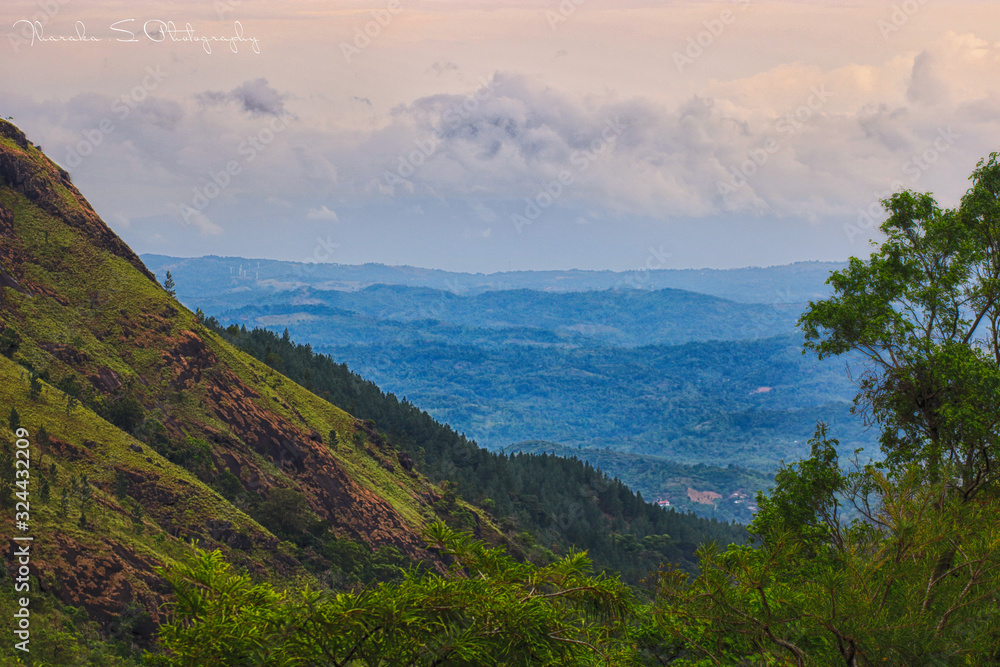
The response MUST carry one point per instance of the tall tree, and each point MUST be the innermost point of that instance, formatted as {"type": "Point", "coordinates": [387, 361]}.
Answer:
{"type": "Point", "coordinates": [923, 313]}
{"type": "Point", "coordinates": [168, 285]}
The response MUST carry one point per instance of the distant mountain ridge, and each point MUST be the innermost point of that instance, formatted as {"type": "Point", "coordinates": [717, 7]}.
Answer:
{"type": "Point", "coordinates": [397, 313]}
{"type": "Point", "coordinates": [791, 283]}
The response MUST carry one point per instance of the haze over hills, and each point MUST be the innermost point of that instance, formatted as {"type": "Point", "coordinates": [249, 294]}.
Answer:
{"type": "Point", "coordinates": [619, 318]}
{"type": "Point", "coordinates": [682, 376]}
{"type": "Point", "coordinates": [241, 279]}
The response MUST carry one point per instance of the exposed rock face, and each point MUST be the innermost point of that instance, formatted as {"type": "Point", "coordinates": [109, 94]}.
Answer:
{"type": "Point", "coordinates": [187, 359]}
{"type": "Point", "coordinates": [333, 495]}
{"type": "Point", "coordinates": [102, 584]}
{"type": "Point", "coordinates": [66, 353]}
{"type": "Point", "coordinates": [222, 531]}
{"type": "Point", "coordinates": [106, 380]}
{"type": "Point", "coordinates": [6, 221]}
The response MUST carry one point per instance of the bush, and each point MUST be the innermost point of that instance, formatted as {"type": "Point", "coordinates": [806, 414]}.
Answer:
{"type": "Point", "coordinates": [286, 513]}
{"type": "Point", "coordinates": [126, 413]}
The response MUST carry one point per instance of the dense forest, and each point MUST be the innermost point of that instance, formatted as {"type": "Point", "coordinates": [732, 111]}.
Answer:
{"type": "Point", "coordinates": [682, 377]}
{"type": "Point", "coordinates": [706, 490]}
{"type": "Point", "coordinates": [752, 403]}
{"type": "Point", "coordinates": [550, 502]}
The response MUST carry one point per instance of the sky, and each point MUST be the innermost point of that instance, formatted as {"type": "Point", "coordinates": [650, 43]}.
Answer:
{"type": "Point", "coordinates": [481, 135]}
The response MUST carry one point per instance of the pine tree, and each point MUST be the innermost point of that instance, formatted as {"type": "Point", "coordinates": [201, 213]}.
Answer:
{"type": "Point", "coordinates": [168, 285]}
{"type": "Point", "coordinates": [34, 386]}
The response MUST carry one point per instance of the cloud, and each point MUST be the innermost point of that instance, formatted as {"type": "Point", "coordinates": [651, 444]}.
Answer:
{"type": "Point", "coordinates": [255, 97]}
{"type": "Point", "coordinates": [484, 212]}
{"type": "Point", "coordinates": [440, 68]}
{"type": "Point", "coordinates": [321, 213]}
{"type": "Point", "coordinates": [793, 140]}
{"type": "Point", "coordinates": [832, 139]}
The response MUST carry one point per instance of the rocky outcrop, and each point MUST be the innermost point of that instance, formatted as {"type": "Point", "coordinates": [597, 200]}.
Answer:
{"type": "Point", "coordinates": [101, 582]}
{"type": "Point", "coordinates": [351, 509]}
{"type": "Point", "coordinates": [186, 359]}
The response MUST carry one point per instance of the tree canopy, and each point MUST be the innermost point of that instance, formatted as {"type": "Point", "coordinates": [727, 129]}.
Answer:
{"type": "Point", "coordinates": [924, 312]}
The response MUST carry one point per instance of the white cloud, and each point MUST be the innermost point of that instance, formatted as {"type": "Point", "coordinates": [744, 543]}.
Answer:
{"type": "Point", "coordinates": [321, 213]}
{"type": "Point", "coordinates": [653, 155]}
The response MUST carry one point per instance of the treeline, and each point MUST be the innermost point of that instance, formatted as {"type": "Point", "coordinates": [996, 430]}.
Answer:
{"type": "Point", "coordinates": [549, 503]}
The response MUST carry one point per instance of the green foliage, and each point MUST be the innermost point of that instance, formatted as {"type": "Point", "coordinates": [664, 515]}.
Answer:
{"type": "Point", "coordinates": [913, 577]}
{"type": "Point", "coordinates": [119, 487]}
{"type": "Point", "coordinates": [285, 513]}
{"type": "Point", "coordinates": [924, 312]}
{"type": "Point", "coordinates": [125, 412]}
{"type": "Point", "coordinates": [69, 386]}
{"type": "Point", "coordinates": [7, 474]}
{"type": "Point", "coordinates": [65, 635]}
{"type": "Point", "coordinates": [34, 386]}
{"type": "Point", "coordinates": [168, 285]}
{"type": "Point", "coordinates": [488, 610]}
{"type": "Point", "coordinates": [14, 419]}
{"type": "Point", "coordinates": [912, 581]}
{"type": "Point", "coordinates": [191, 453]}
{"type": "Point", "coordinates": [9, 341]}
{"type": "Point", "coordinates": [229, 485]}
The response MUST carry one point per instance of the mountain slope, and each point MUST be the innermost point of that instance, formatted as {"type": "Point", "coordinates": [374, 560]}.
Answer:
{"type": "Point", "coordinates": [83, 318]}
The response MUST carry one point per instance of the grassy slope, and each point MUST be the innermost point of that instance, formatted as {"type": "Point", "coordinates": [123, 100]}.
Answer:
{"type": "Point", "coordinates": [89, 314]}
